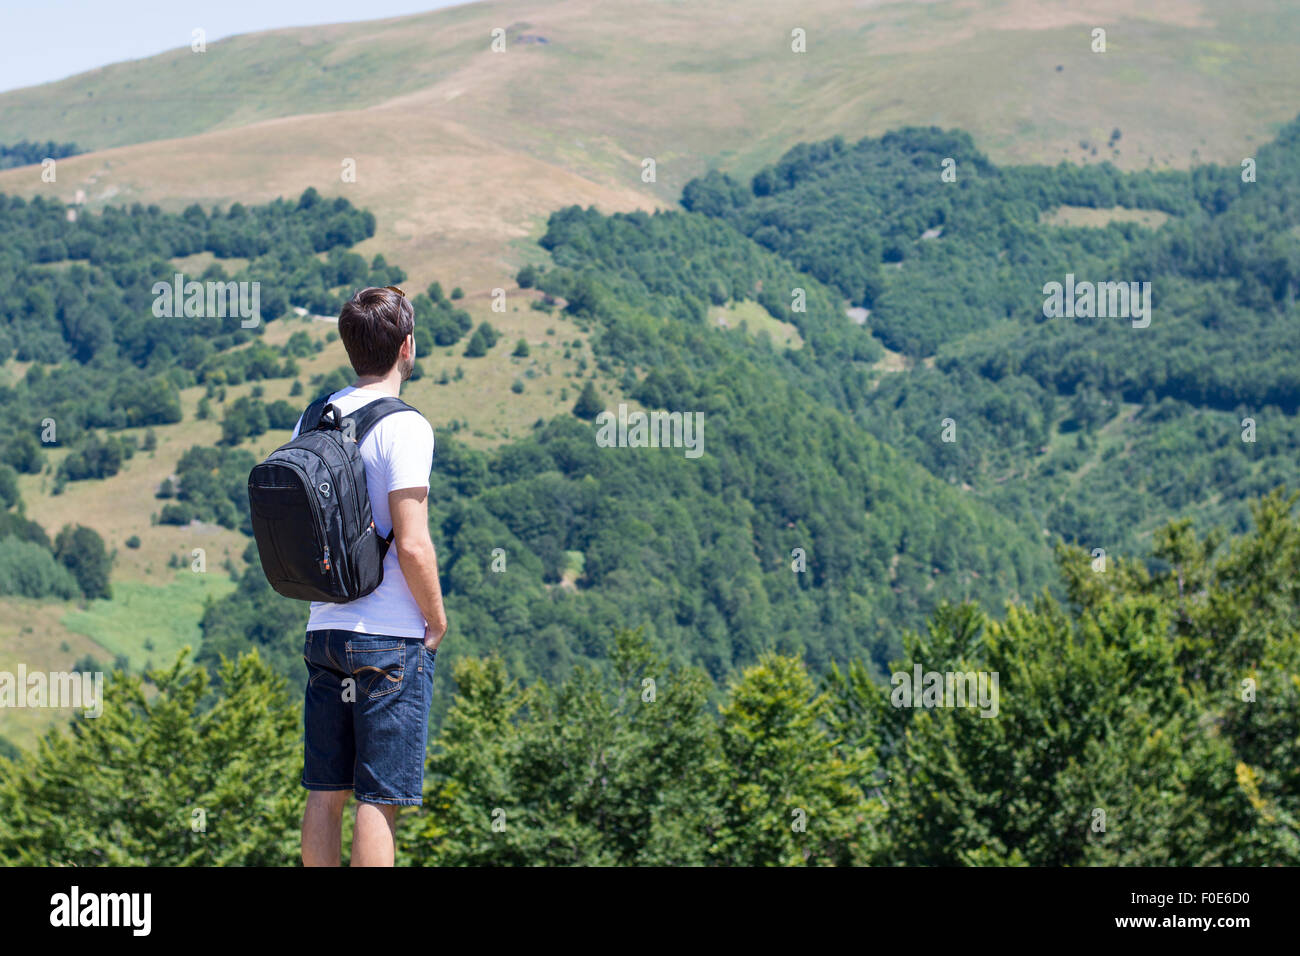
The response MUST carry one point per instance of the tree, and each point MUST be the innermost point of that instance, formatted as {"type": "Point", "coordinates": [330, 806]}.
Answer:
{"type": "Point", "coordinates": [30, 570]}
{"type": "Point", "coordinates": [81, 550]}
{"type": "Point", "coordinates": [163, 779]}
{"type": "Point", "coordinates": [247, 418]}
{"type": "Point", "coordinates": [8, 487]}
{"type": "Point", "coordinates": [792, 792]}
{"type": "Point", "coordinates": [614, 767]}
{"type": "Point", "coordinates": [481, 341]}
{"type": "Point", "coordinates": [95, 457]}
{"type": "Point", "coordinates": [589, 404]}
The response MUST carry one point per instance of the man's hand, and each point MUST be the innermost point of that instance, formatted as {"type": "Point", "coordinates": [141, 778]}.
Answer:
{"type": "Point", "coordinates": [433, 638]}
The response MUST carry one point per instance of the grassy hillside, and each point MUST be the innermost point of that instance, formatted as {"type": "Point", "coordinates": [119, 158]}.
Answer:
{"type": "Point", "coordinates": [461, 150]}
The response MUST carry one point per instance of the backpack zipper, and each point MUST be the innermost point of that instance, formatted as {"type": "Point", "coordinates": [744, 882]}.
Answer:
{"type": "Point", "coordinates": [356, 494]}
{"type": "Point", "coordinates": [355, 498]}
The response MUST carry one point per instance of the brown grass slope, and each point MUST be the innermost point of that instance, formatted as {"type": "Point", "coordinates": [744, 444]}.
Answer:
{"type": "Point", "coordinates": [461, 152]}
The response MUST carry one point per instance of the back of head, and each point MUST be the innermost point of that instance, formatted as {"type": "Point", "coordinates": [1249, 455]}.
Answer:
{"type": "Point", "coordinates": [373, 324]}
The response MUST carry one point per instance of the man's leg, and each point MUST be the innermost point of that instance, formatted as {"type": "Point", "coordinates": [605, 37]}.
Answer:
{"type": "Point", "coordinates": [322, 827]}
{"type": "Point", "coordinates": [329, 751]}
{"type": "Point", "coordinates": [373, 837]}
{"type": "Point", "coordinates": [391, 721]}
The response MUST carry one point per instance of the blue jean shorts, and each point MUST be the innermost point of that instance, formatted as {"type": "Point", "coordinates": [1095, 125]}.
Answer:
{"type": "Point", "coordinates": [366, 715]}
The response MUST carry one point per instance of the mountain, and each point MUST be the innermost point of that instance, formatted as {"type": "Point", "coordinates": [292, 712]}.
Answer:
{"type": "Point", "coordinates": [462, 152]}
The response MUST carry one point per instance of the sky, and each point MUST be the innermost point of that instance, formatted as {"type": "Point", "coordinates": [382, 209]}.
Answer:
{"type": "Point", "coordinates": [45, 40]}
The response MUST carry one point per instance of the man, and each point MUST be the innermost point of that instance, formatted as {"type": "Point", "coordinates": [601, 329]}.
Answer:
{"type": "Point", "coordinates": [369, 735]}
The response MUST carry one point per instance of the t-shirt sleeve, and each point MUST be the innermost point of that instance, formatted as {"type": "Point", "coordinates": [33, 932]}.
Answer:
{"type": "Point", "coordinates": [295, 429]}
{"type": "Point", "coordinates": [410, 450]}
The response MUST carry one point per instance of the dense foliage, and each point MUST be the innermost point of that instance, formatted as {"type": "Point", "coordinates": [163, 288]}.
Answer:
{"type": "Point", "coordinates": [77, 298]}
{"type": "Point", "coordinates": [158, 779]}
{"type": "Point", "coordinates": [211, 485]}
{"type": "Point", "coordinates": [76, 564]}
{"type": "Point", "coordinates": [954, 272]}
{"type": "Point", "coordinates": [25, 153]}
{"type": "Point", "coordinates": [1149, 719]}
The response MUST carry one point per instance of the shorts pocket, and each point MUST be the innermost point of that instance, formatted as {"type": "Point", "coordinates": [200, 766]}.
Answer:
{"type": "Point", "coordinates": [377, 667]}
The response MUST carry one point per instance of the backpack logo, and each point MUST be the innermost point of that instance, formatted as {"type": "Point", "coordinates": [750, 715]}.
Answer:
{"type": "Point", "coordinates": [324, 488]}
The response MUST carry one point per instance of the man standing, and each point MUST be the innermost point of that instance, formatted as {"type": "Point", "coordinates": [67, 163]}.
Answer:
{"type": "Point", "coordinates": [370, 661]}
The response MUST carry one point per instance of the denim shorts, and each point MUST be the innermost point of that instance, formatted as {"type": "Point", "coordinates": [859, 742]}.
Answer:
{"type": "Point", "coordinates": [366, 715]}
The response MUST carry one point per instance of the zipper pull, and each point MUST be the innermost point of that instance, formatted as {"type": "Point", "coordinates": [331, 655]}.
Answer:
{"type": "Point", "coordinates": [325, 561]}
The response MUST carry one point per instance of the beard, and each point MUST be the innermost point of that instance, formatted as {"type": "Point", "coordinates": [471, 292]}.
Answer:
{"type": "Point", "coordinates": [406, 367]}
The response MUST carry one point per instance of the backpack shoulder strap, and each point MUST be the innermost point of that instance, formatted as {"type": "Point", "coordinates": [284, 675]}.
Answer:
{"type": "Point", "coordinates": [368, 416]}
{"type": "Point", "coordinates": [312, 416]}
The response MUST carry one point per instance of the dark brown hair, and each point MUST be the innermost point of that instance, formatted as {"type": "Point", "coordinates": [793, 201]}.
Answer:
{"type": "Point", "coordinates": [373, 325]}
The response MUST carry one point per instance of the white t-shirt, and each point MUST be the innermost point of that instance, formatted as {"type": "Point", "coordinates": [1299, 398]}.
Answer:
{"type": "Point", "coordinates": [397, 453]}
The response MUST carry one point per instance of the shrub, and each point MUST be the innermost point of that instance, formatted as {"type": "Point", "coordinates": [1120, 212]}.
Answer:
{"type": "Point", "coordinates": [484, 338]}
{"type": "Point", "coordinates": [28, 570]}
{"type": "Point", "coordinates": [81, 550]}
{"type": "Point", "coordinates": [589, 404]}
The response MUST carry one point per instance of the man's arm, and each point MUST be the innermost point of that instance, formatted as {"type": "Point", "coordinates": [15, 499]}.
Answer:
{"type": "Point", "coordinates": [409, 508]}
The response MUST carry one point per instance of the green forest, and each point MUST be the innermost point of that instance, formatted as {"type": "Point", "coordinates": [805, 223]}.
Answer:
{"type": "Point", "coordinates": [1145, 719]}
{"type": "Point", "coordinates": [26, 153]}
{"type": "Point", "coordinates": [688, 661]}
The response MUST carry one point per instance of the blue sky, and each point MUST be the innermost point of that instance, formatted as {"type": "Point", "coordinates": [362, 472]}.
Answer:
{"type": "Point", "coordinates": [44, 40]}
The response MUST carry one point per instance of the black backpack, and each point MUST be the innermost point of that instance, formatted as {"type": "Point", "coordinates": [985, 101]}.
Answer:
{"type": "Point", "coordinates": [310, 509]}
